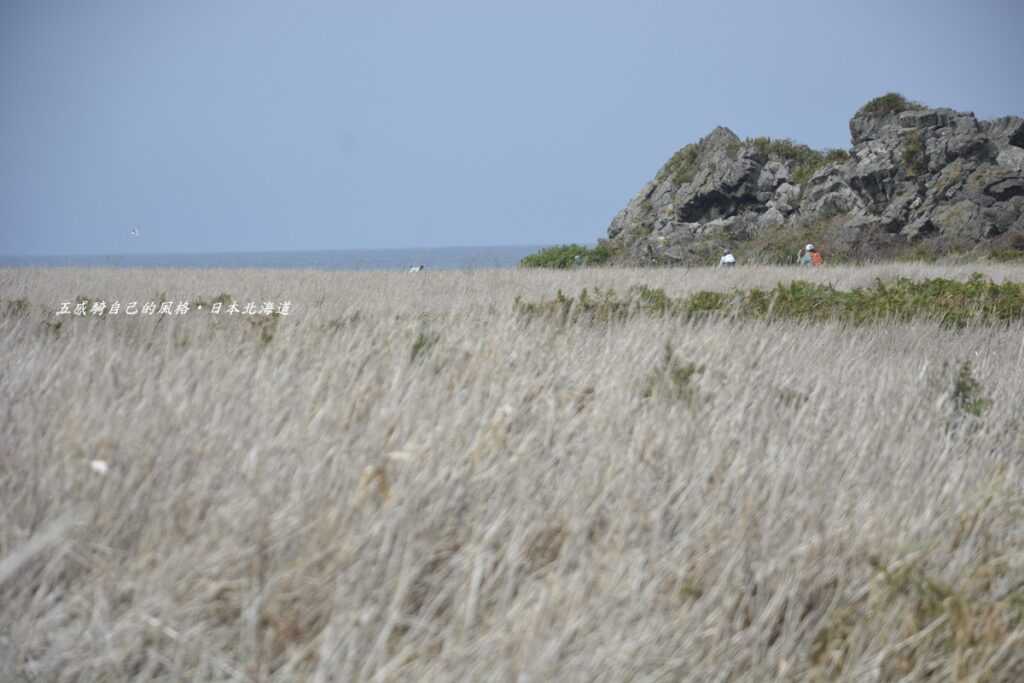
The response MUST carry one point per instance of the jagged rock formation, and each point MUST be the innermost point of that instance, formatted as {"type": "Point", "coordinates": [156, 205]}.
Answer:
{"type": "Point", "coordinates": [914, 176]}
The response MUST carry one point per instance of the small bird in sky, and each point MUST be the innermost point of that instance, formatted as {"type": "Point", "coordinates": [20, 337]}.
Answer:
{"type": "Point", "coordinates": [134, 232]}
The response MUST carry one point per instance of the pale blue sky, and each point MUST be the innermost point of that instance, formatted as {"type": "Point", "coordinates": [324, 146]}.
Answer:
{"type": "Point", "coordinates": [238, 125]}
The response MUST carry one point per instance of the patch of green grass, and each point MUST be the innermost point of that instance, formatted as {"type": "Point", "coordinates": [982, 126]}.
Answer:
{"type": "Point", "coordinates": [953, 625]}
{"type": "Point", "coordinates": [836, 156]}
{"type": "Point", "coordinates": [889, 103]}
{"type": "Point", "coordinates": [1013, 252]}
{"type": "Point", "coordinates": [1006, 255]}
{"type": "Point", "coordinates": [52, 327]}
{"type": "Point", "coordinates": [920, 252]}
{"type": "Point", "coordinates": [682, 166]}
{"type": "Point", "coordinates": [784, 149]}
{"type": "Point", "coordinates": [15, 308]}
{"type": "Point", "coordinates": [913, 153]}
{"type": "Point", "coordinates": [266, 326]}
{"type": "Point", "coordinates": [424, 342]}
{"type": "Point", "coordinates": [672, 379]}
{"type": "Point", "coordinates": [733, 149]}
{"type": "Point", "coordinates": [967, 392]}
{"type": "Point", "coordinates": [601, 306]}
{"type": "Point", "coordinates": [791, 398]}
{"type": "Point", "coordinates": [804, 160]}
{"type": "Point", "coordinates": [564, 256]}
{"type": "Point", "coordinates": [223, 299]}
{"type": "Point", "coordinates": [951, 302]}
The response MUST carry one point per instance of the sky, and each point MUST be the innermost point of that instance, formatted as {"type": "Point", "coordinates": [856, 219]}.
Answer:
{"type": "Point", "coordinates": [249, 125]}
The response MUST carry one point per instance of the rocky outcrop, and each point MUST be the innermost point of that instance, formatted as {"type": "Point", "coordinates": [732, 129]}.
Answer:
{"type": "Point", "coordinates": [913, 174]}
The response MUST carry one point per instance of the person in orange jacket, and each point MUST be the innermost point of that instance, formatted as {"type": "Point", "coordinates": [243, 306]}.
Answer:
{"type": "Point", "coordinates": [810, 256]}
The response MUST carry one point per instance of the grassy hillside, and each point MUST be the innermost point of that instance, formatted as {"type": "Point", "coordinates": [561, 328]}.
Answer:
{"type": "Point", "coordinates": [404, 478]}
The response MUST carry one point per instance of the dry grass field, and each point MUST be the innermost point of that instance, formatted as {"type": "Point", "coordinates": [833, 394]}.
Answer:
{"type": "Point", "coordinates": [404, 480]}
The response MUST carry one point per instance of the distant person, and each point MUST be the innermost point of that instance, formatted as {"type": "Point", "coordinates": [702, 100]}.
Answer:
{"type": "Point", "coordinates": [577, 261]}
{"type": "Point", "coordinates": [727, 260]}
{"type": "Point", "coordinates": [810, 256]}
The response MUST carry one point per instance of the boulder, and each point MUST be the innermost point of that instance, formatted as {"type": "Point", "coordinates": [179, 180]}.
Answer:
{"type": "Point", "coordinates": [786, 198]}
{"type": "Point", "coordinates": [771, 217]}
{"type": "Point", "coordinates": [1007, 131]}
{"type": "Point", "coordinates": [913, 173]}
{"type": "Point", "coordinates": [960, 222]}
{"type": "Point", "coordinates": [1011, 157]}
{"type": "Point", "coordinates": [867, 127]}
{"type": "Point", "coordinates": [773, 174]}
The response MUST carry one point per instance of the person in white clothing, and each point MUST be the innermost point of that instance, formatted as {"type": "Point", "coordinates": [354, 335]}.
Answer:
{"type": "Point", "coordinates": [727, 259]}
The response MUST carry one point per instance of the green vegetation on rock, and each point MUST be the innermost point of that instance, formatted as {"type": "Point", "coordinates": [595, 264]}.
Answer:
{"type": "Point", "coordinates": [806, 161]}
{"type": "Point", "coordinates": [913, 153]}
{"type": "Point", "coordinates": [889, 103]}
{"type": "Point", "coordinates": [682, 166]}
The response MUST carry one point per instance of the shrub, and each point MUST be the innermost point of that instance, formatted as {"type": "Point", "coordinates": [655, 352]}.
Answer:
{"type": "Point", "coordinates": [836, 156]}
{"type": "Point", "coordinates": [424, 342]}
{"type": "Point", "coordinates": [1006, 255]}
{"type": "Point", "coordinates": [913, 153]}
{"type": "Point", "coordinates": [602, 253]}
{"type": "Point", "coordinates": [805, 160]}
{"type": "Point", "coordinates": [966, 393]}
{"type": "Point", "coordinates": [682, 166]}
{"type": "Point", "coordinates": [783, 148]}
{"type": "Point", "coordinates": [803, 173]}
{"type": "Point", "coordinates": [673, 379]}
{"type": "Point", "coordinates": [1013, 252]}
{"type": "Point", "coordinates": [265, 326]}
{"type": "Point", "coordinates": [223, 299]}
{"type": "Point", "coordinates": [564, 256]}
{"type": "Point", "coordinates": [889, 103]}
{"type": "Point", "coordinates": [16, 308]}
{"type": "Point", "coordinates": [926, 252]}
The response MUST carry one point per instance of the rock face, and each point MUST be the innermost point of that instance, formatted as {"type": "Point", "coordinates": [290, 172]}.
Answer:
{"type": "Point", "coordinates": [914, 175]}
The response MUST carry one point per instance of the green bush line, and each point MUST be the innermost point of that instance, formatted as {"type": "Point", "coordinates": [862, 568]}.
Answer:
{"type": "Point", "coordinates": [564, 256]}
{"type": "Point", "coordinates": [951, 302]}
{"type": "Point", "coordinates": [889, 103]}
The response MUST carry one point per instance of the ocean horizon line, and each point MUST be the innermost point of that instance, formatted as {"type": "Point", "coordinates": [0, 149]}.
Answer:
{"type": "Point", "coordinates": [4, 255]}
{"type": "Point", "coordinates": [387, 258]}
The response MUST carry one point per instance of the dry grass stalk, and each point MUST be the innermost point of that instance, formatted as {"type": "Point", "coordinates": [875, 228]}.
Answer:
{"type": "Point", "coordinates": [509, 502]}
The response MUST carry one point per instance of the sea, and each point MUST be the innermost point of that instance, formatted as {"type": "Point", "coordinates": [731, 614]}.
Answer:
{"type": "Point", "coordinates": [435, 258]}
